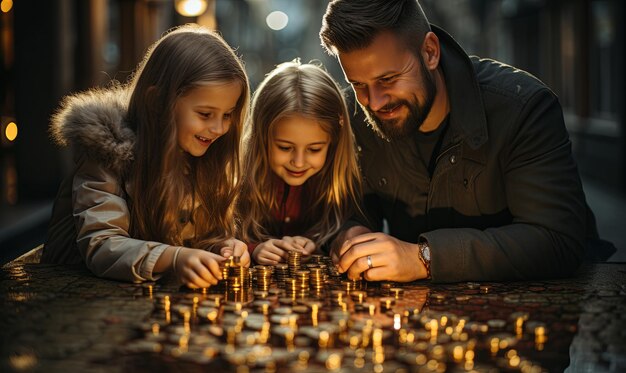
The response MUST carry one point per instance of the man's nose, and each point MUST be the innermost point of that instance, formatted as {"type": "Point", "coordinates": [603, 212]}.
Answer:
{"type": "Point", "coordinates": [376, 98]}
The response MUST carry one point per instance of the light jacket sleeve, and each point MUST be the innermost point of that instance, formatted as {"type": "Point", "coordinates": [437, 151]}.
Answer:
{"type": "Point", "coordinates": [544, 197]}
{"type": "Point", "coordinates": [102, 221]}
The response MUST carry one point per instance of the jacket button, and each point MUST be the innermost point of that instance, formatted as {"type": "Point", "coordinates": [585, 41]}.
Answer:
{"type": "Point", "coordinates": [382, 182]}
{"type": "Point", "coordinates": [287, 219]}
{"type": "Point", "coordinates": [359, 149]}
{"type": "Point", "coordinates": [453, 159]}
{"type": "Point", "coordinates": [465, 183]}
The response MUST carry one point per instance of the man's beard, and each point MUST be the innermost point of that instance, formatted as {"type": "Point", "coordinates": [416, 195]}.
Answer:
{"type": "Point", "coordinates": [395, 128]}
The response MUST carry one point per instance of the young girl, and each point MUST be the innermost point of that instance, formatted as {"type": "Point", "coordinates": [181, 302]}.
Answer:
{"type": "Point", "coordinates": [301, 179]}
{"type": "Point", "coordinates": [156, 166]}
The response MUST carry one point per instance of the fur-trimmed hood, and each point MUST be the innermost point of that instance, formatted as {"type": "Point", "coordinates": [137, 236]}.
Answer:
{"type": "Point", "coordinates": [94, 122]}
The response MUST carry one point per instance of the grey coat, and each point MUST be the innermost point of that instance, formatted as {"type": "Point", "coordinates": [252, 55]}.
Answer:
{"type": "Point", "coordinates": [90, 218]}
{"type": "Point", "coordinates": [505, 200]}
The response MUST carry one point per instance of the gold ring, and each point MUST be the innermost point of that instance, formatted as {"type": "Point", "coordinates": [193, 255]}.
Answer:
{"type": "Point", "coordinates": [369, 261]}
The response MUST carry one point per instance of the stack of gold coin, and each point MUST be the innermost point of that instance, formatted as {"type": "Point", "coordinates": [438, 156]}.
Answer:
{"type": "Point", "coordinates": [387, 303]}
{"type": "Point", "coordinates": [337, 297]}
{"type": "Point", "coordinates": [242, 273]}
{"type": "Point", "coordinates": [385, 289]}
{"type": "Point", "coordinates": [281, 273]}
{"type": "Point", "coordinates": [302, 278]}
{"type": "Point", "coordinates": [351, 285]}
{"type": "Point", "coordinates": [298, 287]}
{"type": "Point", "coordinates": [358, 296]}
{"type": "Point", "coordinates": [263, 277]}
{"type": "Point", "coordinates": [317, 259]}
{"type": "Point", "coordinates": [295, 262]}
{"type": "Point", "coordinates": [397, 293]}
{"type": "Point", "coordinates": [316, 278]}
{"type": "Point", "coordinates": [221, 284]}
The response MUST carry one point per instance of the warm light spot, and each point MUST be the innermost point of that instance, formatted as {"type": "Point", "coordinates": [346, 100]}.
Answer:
{"type": "Point", "coordinates": [514, 362]}
{"type": "Point", "coordinates": [23, 361]}
{"type": "Point", "coordinates": [277, 20]}
{"type": "Point", "coordinates": [457, 353]}
{"type": "Point", "coordinates": [190, 8]}
{"type": "Point", "coordinates": [11, 131]}
{"type": "Point", "coordinates": [323, 339]}
{"type": "Point", "coordinates": [6, 6]}
{"type": "Point", "coordinates": [333, 362]}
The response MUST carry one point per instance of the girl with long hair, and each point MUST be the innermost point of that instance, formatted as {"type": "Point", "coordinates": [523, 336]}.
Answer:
{"type": "Point", "coordinates": [301, 179]}
{"type": "Point", "coordinates": [157, 166]}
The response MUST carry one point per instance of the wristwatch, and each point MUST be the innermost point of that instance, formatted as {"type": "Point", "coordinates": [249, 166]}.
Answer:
{"type": "Point", "coordinates": [424, 253]}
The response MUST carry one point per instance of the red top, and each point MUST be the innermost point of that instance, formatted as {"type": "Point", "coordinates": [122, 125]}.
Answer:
{"type": "Point", "coordinates": [288, 213]}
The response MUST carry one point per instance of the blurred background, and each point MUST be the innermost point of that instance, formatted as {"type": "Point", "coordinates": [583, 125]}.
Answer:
{"type": "Point", "coordinates": [54, 47]}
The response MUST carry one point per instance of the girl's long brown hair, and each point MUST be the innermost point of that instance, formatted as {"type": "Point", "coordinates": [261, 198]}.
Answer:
{"type": "Point", "coordinates": [164, 180]}
{"type": "Point", "coordinates": [330, 196]}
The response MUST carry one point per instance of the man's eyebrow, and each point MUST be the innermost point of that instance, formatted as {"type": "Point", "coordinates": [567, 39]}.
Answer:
{"type": "Point", "coordinates": [379, 76]}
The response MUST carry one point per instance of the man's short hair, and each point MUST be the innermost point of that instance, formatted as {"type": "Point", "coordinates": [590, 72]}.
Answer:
{"type": "Point", "coordinates": [349, 25]}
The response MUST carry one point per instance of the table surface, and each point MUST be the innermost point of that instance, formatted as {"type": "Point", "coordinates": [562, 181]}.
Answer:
{"type": "Point", "coordinates": [62, 318]}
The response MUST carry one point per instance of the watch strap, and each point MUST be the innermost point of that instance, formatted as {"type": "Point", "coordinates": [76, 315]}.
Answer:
{"type": "Point", "coordinates": [426, 262]}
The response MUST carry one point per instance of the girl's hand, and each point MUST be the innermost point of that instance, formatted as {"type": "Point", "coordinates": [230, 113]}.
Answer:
{"type": "Point", "coordinates": [234, 247]}
{"type": "Point", "coordinates": [301, 244]}
{"type": "Point", "coordinates": [271, 252]}
{"type": "Point", "coordinates": [197, 268]}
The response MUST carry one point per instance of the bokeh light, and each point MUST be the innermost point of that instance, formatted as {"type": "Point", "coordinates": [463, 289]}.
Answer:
{"type": "Point", "coordinates": [191, 8]}
{"type": "Point", "coordinates": [277, 20]}
{"type": "Point", "coordinates": [6, 5]}
{"type": "Point", "coordinates": [11, 131]}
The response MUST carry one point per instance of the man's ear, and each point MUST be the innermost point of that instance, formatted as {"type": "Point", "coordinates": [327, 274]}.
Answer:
{"type": "Point", "coordinates": [431, 51]}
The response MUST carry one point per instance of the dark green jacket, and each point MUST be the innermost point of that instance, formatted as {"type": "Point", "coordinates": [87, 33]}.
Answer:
{"type": "Point", "coordinates": [505, 200]}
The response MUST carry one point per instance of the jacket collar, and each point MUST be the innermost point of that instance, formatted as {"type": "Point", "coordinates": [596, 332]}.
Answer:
{"type": "Point", "coordinates": [94, 123]}
{"type": "Point", "coordinates": [468, 122]}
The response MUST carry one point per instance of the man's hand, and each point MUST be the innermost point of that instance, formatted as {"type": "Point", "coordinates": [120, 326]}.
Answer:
{"type": "Point", "coordinates": [338, 242]}
{"type": "Point", "coordinates": [391, 259]}
{"type": "Point", "coordinates": [234, 247]}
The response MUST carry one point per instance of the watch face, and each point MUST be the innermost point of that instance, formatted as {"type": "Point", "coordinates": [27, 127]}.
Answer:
{"type": "Point", "coordinates": [426, 253]}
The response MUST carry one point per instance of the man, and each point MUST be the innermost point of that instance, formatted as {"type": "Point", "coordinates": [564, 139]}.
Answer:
{"type": "Point", "coordinates": [467, 160]}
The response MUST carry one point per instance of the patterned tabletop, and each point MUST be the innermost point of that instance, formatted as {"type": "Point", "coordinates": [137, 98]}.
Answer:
{"type": "Point", "coordinates": [62, 318]}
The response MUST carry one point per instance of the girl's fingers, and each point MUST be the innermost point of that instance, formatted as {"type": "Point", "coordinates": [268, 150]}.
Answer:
{"type": "Point", "coordinates": [285, 245]}
{"type": "Point", "coordinates": [226, 252]}
{"type": "Point", "coordinates": [213, 266]}
{"type": "Point", "coordinates": [204, 273]}
{"type": "Point", "coordinates": [193, 281]}
{"type": "Point", "coordinates": [271, 256]}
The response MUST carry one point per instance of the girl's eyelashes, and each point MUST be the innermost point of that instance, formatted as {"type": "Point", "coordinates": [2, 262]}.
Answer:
{"type": "Point", "coordinates": [289, 148]}
{"type": "Point", "coordinates": [227, 116]}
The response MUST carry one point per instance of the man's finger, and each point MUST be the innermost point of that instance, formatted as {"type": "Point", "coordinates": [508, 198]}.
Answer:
{"type": "Point", "coordinates": [356, 241]}
{"type": "Point", "coordinates": [360, 250]}
{"type": "Point", "coordinates": [377, 274]}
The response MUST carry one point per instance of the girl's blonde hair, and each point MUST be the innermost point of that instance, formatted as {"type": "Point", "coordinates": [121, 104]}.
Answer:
{"type": "Point", "coordinates": [330, 196]}
{"type": "Point", "coordinates": [164, 180]}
